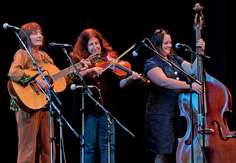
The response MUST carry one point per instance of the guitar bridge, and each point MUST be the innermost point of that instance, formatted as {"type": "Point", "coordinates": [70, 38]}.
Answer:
{"type": "Point", "coordinates": [34, 88]}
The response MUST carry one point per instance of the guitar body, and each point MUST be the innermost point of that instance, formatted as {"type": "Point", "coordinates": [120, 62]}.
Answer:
{"type": "Point", "coordinates": [59, 85]}
{"type": "Point", "coordinates": [31, 98]}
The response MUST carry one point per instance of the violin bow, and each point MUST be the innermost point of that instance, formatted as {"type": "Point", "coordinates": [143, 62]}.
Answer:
{"type": "Point", "coordinates": [113, 61]}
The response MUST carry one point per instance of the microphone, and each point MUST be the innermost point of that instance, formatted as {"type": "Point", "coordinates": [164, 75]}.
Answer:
{"type": "Point", "coordinates": [135, 53]}
{"type": "Point", "coordinates": [25, 83]}
{"type": "Point", "coordinates": [6, 26]}
{"type": "Point", "coordinates": [178, 46]}
{"type": "Point", "coordinates": [52, 44]}
{"type": "Point", "coordinates": [74, 87]}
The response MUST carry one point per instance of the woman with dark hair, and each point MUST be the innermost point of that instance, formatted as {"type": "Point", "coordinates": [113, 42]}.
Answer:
{"type": "Point", "coordinates": [33, 128]}
{"type": "Point", "coordinates": [163, 125]}
{"type": "Point", "coordinates": [90, 41]}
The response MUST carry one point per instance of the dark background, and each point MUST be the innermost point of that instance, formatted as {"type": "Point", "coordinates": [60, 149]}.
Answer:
{"type": "Point", "coordinates": [122, 24]}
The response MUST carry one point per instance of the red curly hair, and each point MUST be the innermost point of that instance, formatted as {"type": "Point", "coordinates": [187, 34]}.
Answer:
{"type": "Point", "coordinates": [81, 45]}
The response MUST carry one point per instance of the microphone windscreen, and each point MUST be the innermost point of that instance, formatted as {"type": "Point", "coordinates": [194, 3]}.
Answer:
{"type": "Point", "coordinates": [177, 45]}
{"type": "Point", "coordinates": [134, 54]}
{"type": "Point", "coordinates": [5, 25]}
{"type": "Point", "coordinates": [73, 87]}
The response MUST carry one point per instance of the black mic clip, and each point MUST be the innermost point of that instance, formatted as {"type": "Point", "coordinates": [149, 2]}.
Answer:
{"type": "Point", "coordinates": [196, 53]}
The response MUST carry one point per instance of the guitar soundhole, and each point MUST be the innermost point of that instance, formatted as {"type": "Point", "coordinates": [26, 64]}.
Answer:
{"type": "Point", "coordinates": [49, 79]}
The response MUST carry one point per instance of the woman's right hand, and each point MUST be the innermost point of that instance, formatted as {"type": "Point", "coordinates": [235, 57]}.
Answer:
{"type": "Point", "coordinates": [197, 88]}
{"type": "Point", "coordinates": [43, 84]}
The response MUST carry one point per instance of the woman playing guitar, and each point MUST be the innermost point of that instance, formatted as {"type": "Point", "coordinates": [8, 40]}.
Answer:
{"type": "Point", "coordinates": [33, 128]}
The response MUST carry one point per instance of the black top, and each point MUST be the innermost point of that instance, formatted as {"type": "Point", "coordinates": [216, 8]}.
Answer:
{"type": "Point", "coordinates": [107, 84]}
{"type": "Point", "coordinates": [162, 111]}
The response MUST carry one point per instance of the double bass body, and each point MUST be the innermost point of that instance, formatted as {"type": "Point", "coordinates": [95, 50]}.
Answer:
{"type": "Point", "coordinates": [218, 148]}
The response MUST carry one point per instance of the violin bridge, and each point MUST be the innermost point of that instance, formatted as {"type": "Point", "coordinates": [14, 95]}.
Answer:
{"type": "Point", "coordinates": [207, 131]}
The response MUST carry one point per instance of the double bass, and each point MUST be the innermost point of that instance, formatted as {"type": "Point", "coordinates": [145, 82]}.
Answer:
{"type": "Point", "coordinates": [212, 141]}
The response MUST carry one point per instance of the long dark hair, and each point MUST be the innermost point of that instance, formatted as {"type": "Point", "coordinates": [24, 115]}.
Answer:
{"type": "Point", "coordinates": [157, 39]}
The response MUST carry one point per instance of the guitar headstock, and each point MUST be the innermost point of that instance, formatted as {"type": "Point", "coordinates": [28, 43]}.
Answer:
{"type": "Point", "coordinates": [198, 20]}
{"type": "Point", "coordinates": [95, 58]}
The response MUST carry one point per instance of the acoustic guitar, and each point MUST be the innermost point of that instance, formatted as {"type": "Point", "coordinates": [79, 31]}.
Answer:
{"type": "Point", "coordinates": [30, 98]}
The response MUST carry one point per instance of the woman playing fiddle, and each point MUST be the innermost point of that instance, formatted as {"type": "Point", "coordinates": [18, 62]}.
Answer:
{"type": "Point", "coordinates": [163, 123]}
{"type": "Point", "coordinates": [89, 42]}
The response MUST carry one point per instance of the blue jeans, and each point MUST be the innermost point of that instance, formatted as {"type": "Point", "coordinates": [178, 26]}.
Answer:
{"type": "Point", "coordinates": [96, 126]}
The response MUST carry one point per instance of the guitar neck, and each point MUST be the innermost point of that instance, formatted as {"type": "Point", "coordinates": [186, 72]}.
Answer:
{"type": "Point", "coordinates": [92, 59]}
{"type": "Point", "coordinates": [66, 71]}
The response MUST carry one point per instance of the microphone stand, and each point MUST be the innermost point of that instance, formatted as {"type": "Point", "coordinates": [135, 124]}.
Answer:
{"type": "Point", "coordinates": [189, 81]}
{"type": "Point", "coordinates": [59, 121]}
{"type": "Point", "coordinates": [51, 92]}
{"type": "Point", "coordinates": [82, 109]}
{"type": "Point", "coordinates": [109, 117]}
{"type": "Point", "coordinates": [48, 96]}
{"type": "Point", "coordinates": [205, 149]}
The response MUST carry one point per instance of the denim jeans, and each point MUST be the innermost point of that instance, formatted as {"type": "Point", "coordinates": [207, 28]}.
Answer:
{"type": "Point", "coordinates": [96, 127]}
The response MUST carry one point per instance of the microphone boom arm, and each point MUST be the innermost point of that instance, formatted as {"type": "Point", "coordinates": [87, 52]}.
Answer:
{"type": "Point", "coordinates": [114, 61]}
{"type": "Point", "coordinates": [173, 64]}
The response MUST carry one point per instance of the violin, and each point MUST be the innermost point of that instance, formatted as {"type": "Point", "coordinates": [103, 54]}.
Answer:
{"type": "Point", "coordinates": [120, 68]}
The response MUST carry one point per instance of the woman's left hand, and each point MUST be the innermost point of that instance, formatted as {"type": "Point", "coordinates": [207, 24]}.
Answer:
{"type": "Point", "coordinates": [85, 63]}
{"type": "Point", "coordinates": [135, 76]}
{"type": "Point", "coordinates": [201, 44]}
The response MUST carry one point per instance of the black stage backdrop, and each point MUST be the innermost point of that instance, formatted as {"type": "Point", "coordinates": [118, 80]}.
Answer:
{"type": "Point", "coordinates": [122, 24]}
